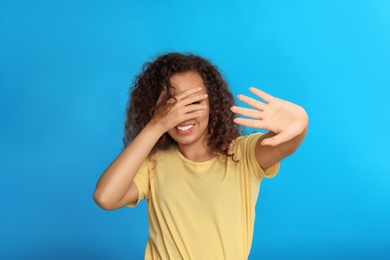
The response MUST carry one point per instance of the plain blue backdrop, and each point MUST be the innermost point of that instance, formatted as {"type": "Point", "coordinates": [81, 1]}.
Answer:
{"type": "Point", "coordinates": [65, 70]}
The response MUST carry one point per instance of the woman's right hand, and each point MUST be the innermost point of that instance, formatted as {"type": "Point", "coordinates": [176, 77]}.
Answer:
{"type": "Point", "coordinates": [183, 107]}
{"type": "Point", "coordinates": [116, 187]}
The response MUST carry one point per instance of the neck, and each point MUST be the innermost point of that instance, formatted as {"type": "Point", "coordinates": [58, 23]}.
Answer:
{"type": "Point", "coordinates": [199, 154]}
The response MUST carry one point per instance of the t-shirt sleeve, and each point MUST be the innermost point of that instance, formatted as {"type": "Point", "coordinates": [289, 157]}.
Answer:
{"type": "Point", "coordinates": [246, 150]}
{"type": "Point", "coordinates": [141, 180]}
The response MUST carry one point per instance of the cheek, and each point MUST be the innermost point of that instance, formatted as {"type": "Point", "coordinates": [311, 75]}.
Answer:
{"type": "Point", "coordinates": [172, 131]}
{"type": "Point", "coordinates": [205, 117]}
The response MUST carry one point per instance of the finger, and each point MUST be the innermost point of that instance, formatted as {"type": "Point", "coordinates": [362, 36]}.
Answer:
{"type": "Point", "coordinates": [192, 115]}
{"type": "Point", "coordinates": [194, 108]}
{"type": "Point", "coordinates": [247, 112]}
{"type": "Point", "coordinates": [276, 140]}
{"type": "Point", "coordinates": [162, 94]}
{"type": "Point", "coordinates": [261, 94]}
{"type": "Point", "coordinates": [171, 101]}
{"type": "Point", "coordinates": [194, 98]}
{"type": "Point", "coordinates": [187, 92]}
{"type": "Point", "coordinates": [252, 102]}
{"type": "Point", "coordinates": [252, 123]}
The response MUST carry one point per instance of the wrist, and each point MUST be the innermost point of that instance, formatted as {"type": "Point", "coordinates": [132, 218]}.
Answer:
{"type": "Point", "coordinates": [155, 129]}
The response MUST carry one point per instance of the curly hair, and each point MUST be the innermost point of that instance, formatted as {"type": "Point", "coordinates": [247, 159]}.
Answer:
{"type": "Point", "coordinates": [148, 85]}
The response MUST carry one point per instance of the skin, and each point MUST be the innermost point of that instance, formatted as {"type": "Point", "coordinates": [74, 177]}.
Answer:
{"type": "Point", "coordinates": [192, 143]}
{"type": "Point", "coordinates": [115, 187]}
{"type": "Point", "coordinates": [285, 121]}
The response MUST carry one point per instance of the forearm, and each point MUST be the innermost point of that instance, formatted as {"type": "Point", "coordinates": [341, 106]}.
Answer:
{"type": "Point", "coordinates": [116, 180]}
{"type": "Point", "coordinates": [287, 148]}
{"type": "Point", "coordinates": [115, 187]}
{"type": "Point", "coordinates": [267, 155]}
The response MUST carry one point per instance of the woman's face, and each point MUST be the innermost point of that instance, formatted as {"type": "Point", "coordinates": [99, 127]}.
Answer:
{"type": "Point", "coordinates": [191, 133]}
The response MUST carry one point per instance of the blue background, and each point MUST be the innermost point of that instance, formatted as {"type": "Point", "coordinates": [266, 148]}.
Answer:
{"type": "Point", "coordinates": [65, 70]}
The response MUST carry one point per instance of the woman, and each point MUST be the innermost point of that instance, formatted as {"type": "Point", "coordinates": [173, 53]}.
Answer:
{"type": "Point", "coordinates": [184, 154]}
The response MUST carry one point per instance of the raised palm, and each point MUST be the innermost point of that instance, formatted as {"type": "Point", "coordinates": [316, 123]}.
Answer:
{"type": "Point", "coordinates": [285, 119]}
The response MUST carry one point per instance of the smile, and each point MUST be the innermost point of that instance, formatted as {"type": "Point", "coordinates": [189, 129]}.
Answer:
{"type": "Point", "coordinates": [184, 128]}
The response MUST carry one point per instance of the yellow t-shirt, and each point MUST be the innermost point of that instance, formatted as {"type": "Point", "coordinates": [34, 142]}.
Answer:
{"type": "Point", "coordinates": [201, 210]}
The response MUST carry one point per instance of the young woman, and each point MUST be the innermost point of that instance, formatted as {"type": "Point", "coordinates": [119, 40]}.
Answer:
{"type": "Point", "coordinates": [184, 154]}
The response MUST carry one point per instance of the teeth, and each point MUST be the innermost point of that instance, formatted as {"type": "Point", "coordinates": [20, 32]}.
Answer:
{"type": "Point", "coordinates": [184, 128]}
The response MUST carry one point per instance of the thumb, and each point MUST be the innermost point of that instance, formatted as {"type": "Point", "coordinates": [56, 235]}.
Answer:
{"type": "Point", "coordinates": [275, 140]}
{"type": "Point", "coordinates": [162, 96]}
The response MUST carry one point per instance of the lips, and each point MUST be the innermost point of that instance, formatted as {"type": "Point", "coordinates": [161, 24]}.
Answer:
{"type": "Point", "coordinates": [185, 129]}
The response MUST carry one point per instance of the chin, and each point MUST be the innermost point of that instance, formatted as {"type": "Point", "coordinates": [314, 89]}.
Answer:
{"type": "Point", "coordinates": [187, 139]}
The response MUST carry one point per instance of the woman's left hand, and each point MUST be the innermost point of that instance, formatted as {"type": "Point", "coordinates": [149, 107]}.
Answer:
{"type": "Point", "coordinates": [285, 119]}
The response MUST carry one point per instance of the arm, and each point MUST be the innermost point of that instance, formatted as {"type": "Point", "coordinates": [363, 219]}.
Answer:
{"type": "Point", "coordinates": [115, 187]}
{"type": "Point", "coordinates": [286, 122]}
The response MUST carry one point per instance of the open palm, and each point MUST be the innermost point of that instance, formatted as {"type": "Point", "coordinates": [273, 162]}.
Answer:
{"type": "Point", "coordinates": [285, 119]}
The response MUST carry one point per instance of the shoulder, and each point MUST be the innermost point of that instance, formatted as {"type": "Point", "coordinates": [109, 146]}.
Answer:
{"type": "Point", "coordinates": [244, 149]}
{"type": "Point", "coordinates": [161, 157]}
{"type": "Point", "coordinates": [161, 154]}
{"type": "Point", "coordinates": [244, 146]}
{"type": "Point", "coordinates": [245, 142]}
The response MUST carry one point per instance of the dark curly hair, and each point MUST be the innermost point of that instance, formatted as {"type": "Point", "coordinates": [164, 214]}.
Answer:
{"type": "Point", "coordinates": [148, 85]}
